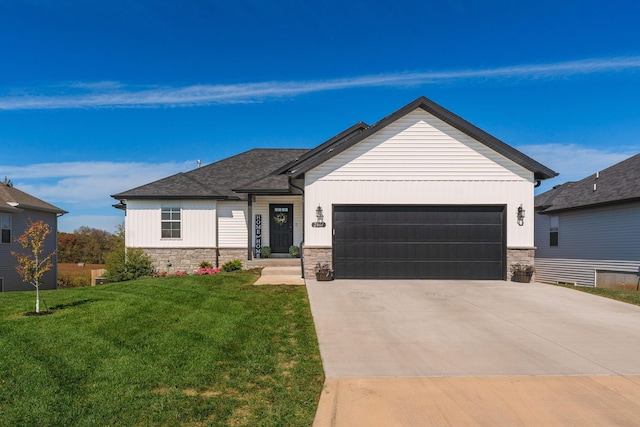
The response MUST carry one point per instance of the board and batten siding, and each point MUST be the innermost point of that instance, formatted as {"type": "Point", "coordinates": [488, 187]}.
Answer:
{"type": "Point", "coordinates": [198, 224]}
{"type": "Point", "coordinates": [261, 206]}
{"type": "Point", "coordinates": [420, 160]}
{"type": "Point", "coordinates": [232, 224]}
{"type": "Point", "coordinates": [603, 238]}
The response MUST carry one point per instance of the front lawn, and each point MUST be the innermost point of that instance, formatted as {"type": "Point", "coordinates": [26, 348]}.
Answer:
{"type": "Point", "coordinates": [624, 295]}
{"type": "Point", "coordinates": [196, 351]}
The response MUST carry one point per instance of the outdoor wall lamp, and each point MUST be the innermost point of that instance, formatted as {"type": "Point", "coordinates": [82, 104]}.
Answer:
{"type": "Point", "coordinates": [520, 215]}
{"type": "Point", "coordinates": [319, 218]}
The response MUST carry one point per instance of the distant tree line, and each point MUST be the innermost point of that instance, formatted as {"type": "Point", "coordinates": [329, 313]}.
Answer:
{"type": "Point", "coordinates": [87, 245]}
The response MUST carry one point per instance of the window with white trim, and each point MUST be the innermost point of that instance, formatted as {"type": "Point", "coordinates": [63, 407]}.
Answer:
{"type": "Point", "coordinates": [171, 222]}
{"type": "Point", "coordinates": [554, 229]}
{"type": "Point", "coordinates": [5, 227]}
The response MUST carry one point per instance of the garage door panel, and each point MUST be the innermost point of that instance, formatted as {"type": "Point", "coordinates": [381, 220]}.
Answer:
{"type": "Point", "coordinates": [439, 242]}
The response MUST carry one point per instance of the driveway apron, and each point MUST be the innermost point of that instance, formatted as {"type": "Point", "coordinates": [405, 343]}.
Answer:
{"type": "Point", "coordinates": [474, 353]}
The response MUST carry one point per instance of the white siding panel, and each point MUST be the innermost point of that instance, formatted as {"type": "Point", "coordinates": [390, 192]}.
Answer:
{"type": "Point", "coordinates": [198, 224]}
{"type": "Point", "coordinates": [509, 193]}
{"type": "Point", "coordinates": [419, 147]}
{"type": "Point", "coordinates": [261, 206]}
{"type": "Point", "coordinates": [232, 223]}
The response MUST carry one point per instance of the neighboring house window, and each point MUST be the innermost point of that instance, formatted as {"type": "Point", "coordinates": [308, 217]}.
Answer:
{"type": "Point", "coordinates": [170, 222]}
{"type": "Point", "coordinates": [554, 227]}
{"type": "Point", "coordinates": [5, 225]}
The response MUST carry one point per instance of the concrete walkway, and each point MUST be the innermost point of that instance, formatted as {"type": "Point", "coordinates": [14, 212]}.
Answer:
{"type": "Point", "coordinates": [417, 353]}
{"type": "Point", "coordinates": [280, 276]}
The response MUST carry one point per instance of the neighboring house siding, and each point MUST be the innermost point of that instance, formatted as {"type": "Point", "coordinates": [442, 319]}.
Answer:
{"type": "Point", "coordinates": [12, 280]}
{"type": "Point", "coordinates": [261, 206]}
{"type": "Point", "coordinates": [589, 240]}
{"type": "Point", "coordinates": [232, 224]}
{"type": "Point", "coordinates": [198, 224]}
{"type": "Point", "coordinates": [420, 160]}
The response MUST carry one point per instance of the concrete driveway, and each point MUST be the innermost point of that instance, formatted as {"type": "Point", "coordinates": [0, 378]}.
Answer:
{"type": "Point", "coordinates": [474, 353]}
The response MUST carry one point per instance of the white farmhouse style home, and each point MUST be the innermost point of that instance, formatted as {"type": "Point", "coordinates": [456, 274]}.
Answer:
{"type": "Point", "coordinates": [587, 232]}
{"type": "Point", "coordinates": [420, 194]}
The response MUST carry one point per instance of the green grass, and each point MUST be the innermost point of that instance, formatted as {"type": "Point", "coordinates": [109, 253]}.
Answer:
{"type": "Point", "coordinates": [195, 351]}
{"type": "Point", "coordinates": [629, 296]}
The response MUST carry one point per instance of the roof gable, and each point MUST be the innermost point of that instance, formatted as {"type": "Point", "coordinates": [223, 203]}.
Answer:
{"type": "Point", "coordinates": [419, 146]}
{"type": "Point", "coordinates": [14, 200]}
{"type": "Point", "coordinates": [619, 183]}
{"type": "Point", "coordinates": [339, 144]}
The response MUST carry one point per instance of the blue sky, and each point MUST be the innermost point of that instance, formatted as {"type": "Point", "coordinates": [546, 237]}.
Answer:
{"type": "Point", "coordinates": [102, 96]}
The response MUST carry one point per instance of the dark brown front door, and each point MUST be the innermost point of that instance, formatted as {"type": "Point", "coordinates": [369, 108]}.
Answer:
{"type": "Point", "coordinates": [280, 228]}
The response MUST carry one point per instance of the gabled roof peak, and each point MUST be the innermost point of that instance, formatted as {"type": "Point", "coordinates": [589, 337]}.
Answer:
{"type": "Point", "coordinates": [341, 142]}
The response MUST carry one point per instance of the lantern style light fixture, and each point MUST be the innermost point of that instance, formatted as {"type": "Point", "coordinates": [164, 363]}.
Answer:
{"type": "Point", "coordinates": [520, 215]}
{"type": "Point", "coordinates": [319, 218]}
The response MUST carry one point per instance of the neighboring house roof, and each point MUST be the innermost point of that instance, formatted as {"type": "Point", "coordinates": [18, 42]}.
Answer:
{"type": "Point", "coordinates": [246, 172]}
{"type": "Point", "coordinates": [619, 183]}
{"type": "Point", "coordinates": [14, 200]}
{"type": "Point", "coordinates": [361, 131]}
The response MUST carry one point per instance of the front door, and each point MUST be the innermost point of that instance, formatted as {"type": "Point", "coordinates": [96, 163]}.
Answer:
{"type": "Point", "coordinates": [280, 228]}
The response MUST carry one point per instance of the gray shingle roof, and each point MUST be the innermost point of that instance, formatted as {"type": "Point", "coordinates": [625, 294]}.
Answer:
{"type": "Point", "coordinates": [246, 171]}
{"type": "Point", "coordinates": [13, 200]}
{"type": "Point", "coordinates": [619, 183]}
{"type": "Point", "coordinates": [361, 131]}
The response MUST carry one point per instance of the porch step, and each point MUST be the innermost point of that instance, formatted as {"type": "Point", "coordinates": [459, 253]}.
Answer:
{"type": "Point", "coordinates": [273, 262]}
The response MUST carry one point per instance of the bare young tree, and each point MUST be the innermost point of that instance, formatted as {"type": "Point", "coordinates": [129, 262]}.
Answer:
{"type": "Point", "coordinates": [32, 266]}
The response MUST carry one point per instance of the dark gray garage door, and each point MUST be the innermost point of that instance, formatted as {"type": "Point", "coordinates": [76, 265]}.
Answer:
{"type": "Point", "coordinates": [418, 242]}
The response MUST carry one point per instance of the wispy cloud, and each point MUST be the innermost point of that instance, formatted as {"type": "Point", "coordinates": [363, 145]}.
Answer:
{"type": "Point", "coordinates": [118, 95]}
{"type": "Point", "coordinates": [84, 188]}
{"type": "Point", "coordinates": [89, 183]}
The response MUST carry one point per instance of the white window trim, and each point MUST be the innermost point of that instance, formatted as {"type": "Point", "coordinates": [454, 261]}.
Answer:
{"type": "Point", "coordinates": [10, 228]}
{"type": "Point", "coordinates": [173, 207]}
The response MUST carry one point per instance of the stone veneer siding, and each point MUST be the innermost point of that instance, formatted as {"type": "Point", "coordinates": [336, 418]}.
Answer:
{"type": "Point", "coordinates": [325, 255]}
{"type": "Point", "coordinates": [313, 256]}
{"type": "Point", "coordinates": [189, 259]}
{"type": "Point", "coordinates": [520, 256]}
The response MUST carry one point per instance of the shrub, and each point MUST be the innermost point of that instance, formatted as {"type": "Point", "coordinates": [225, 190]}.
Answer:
{"type": "Point", "coordinates": [208, 270]}
{"type": "Point", "coordinates": [233, 265]}
{"type": "Point", "coordinates": [167, 274]}
{"type": "Point", "coordinates": [68, 280]}
{"type": "Point", "coordinates": [265, 251]}
{"type": "Point", "coordinates": [206, 264]}
{"type": "Point", "coordinates": [294, 251]}
{"type": "Point", "coordinates": [135, 264]}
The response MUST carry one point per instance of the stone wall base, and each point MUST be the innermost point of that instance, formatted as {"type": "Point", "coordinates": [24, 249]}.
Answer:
{"type": "Point", "coordinates": [520, 256]}
{"type": "Point", "coordinates": [229, 254]}
{"type": "Point", "coordinates": [189, 259]}
{"type": "Point", "coordinates": [313, 256]}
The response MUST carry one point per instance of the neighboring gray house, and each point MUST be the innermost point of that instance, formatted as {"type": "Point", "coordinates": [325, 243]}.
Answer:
{"type": "Point", "coordinates": [16, 209]}
{"type": "Point", "coordinates": [420, 194]}
{"type": "Point", "coordinates": [588, 232]}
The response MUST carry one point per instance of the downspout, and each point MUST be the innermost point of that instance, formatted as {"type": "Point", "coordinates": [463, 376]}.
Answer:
{"type": "Point", "coordinates": [217, 238]}
{"type": "Point", "coordinates": [303, 224]}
